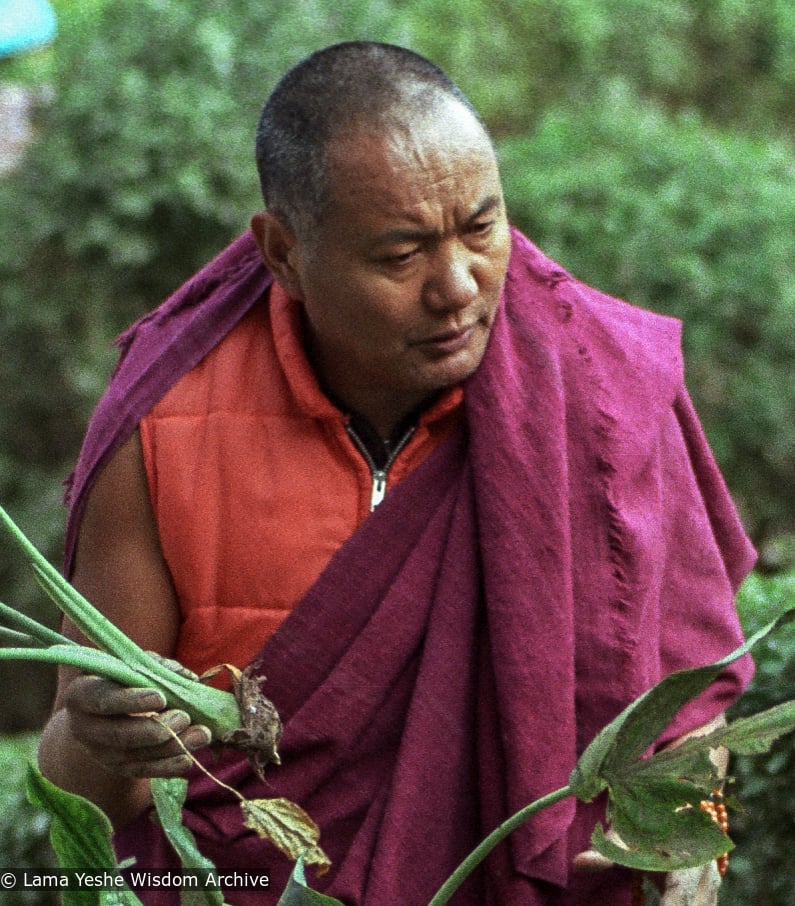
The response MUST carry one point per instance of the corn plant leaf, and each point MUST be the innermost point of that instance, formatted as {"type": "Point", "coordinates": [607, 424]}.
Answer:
{"type": "Point", "coordinates": [298, 894]}
{"type": "Point", "coordinates": [169, 795]}
{"type": "Point", "coordinates": [81, 838]}
{"type": "Point", "coordinates": [288, 827]}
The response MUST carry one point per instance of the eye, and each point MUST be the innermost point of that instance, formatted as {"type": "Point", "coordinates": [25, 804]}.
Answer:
{"type": "Point", "coordinates": [481, 227]}
{"type": "Point", "coordinates": [402, 258]}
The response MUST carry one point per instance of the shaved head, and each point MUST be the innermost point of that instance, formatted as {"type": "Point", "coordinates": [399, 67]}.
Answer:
{"type": "Point", "coordinates": [352, 88]}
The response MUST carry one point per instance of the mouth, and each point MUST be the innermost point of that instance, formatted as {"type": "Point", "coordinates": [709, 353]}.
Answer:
{"type": "Point", "coordinates": [448, 342]}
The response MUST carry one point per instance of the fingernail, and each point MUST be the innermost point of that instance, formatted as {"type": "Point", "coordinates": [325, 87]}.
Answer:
{"type": "Point", "coordinates": [197, 738]}
{"type": "Point", "coordinates": [177, 720]}
{"type": "Point", "coordinates": [153, 701]}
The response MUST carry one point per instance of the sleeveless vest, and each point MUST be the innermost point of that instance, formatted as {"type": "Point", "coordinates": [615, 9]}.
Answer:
{"type": "Point", "coordinates": [255, 483]}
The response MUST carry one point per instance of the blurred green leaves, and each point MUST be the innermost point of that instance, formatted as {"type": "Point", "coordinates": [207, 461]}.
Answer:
{"type": "Point", "coordinates": [763, 827]}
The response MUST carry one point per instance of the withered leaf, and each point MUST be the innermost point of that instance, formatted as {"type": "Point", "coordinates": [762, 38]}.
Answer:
{"type": "Point", "coordinates": [261, 732]}
{"type": "Point", "coordinates": [288, 827]}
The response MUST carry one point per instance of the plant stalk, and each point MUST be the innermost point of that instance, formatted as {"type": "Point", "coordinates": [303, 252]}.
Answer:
{"type": "Point", "coordinates": [471, 862]}
{"type": "Point", "coordinates": [120, 658]}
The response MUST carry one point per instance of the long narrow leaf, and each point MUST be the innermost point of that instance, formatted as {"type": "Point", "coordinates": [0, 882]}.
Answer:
{"type": "Point", "coordinates": [89, 660]}
{"type": "Point", "coordinates": [93, 624]}
{"type": "Point", "coordinates": [168, 795]}
{"type": "Point", "coordinates": [32, 627]}
{"type": "Point", "coordinates": [19, 639]}
{"type": "Point", "coordinates": [206, 704]}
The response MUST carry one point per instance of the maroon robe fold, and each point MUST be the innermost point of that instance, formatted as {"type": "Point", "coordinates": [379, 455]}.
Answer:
{"type": "Point", "coordinates": [569, 547]}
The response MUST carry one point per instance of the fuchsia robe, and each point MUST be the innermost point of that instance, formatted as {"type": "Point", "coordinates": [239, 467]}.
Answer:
{"type": "Point", "coordinates": [569, 547]}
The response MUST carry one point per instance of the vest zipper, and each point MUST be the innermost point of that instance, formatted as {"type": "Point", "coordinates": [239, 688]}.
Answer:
{"type": "Point", "coordinates": [379, 476]}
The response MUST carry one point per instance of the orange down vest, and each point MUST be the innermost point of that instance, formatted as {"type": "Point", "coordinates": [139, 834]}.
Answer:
{"type": "Point", "coordinates": [255, 483]}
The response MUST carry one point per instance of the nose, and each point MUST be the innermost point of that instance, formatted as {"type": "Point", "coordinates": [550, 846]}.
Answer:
{"type": "Point", "coordinates": [452, 282]}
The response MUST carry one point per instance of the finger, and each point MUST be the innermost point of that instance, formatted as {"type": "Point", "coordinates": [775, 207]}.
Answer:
{"type": "Point", "coordinates": [125, 732]}
{"type": "Point", "coordinates": [169, 759]}
{"type": "Point", "coordinates": [693, 886]}
{"type": "Point", "coordinates": [174, 665]}
{"type": "Point", "coordinates": [97, 695]}
{"type": "Point", "coordinates": [592, 861]}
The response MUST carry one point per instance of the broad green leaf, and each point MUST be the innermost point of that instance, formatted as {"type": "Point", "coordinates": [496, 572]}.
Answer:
{"type": "Point", "coordinates": [749, 735]}
{"type": "Point", "coordinates": [626, 738]}
{"type": "Point", "coordinates": [298, 894]}
{"type": "Point", "coordinates": [169, 797]}
{"type": "Point", "coordinates": [654, 809]}
{"type": "Point", "coordinates": [661, 826]}
{"type": "Point", "coordinates": [654, 803]}
{"type": "Point", "coordinates": [288, 827]}
{"type": "Point", "coordinates": [81, 838]}
{"type": "Point", "coordinates": [649, 860]}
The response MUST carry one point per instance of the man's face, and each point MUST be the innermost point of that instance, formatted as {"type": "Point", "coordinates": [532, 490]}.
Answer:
{"type": "Point", "coordinates": [401, 282]}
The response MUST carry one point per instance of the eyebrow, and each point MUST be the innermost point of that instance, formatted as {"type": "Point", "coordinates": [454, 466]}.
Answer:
{"type": "Point", "coordinates": [417, 235]}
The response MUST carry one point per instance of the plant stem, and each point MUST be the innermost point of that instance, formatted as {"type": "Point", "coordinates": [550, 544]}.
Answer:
{"type": "Point", "coordinates": [31, 627]}
{"type": "Point", "coordinates": [89, 660]}
{"type": "Point", "coordinates": [480, 852]}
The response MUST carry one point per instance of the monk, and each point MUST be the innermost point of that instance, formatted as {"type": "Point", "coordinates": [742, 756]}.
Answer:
{"type": "Point", "coordinates": [455, 505]}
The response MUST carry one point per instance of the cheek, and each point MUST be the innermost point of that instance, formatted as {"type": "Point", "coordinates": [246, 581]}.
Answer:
{"type": "Point", "coordinates": [380, 308]}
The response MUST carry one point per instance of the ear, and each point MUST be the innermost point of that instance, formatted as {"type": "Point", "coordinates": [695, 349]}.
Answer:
{"type": "Point", "coordinates": [280, 249]}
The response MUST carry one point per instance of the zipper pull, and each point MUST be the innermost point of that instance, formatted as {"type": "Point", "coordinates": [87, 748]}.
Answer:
{"type": "Point", "coordinates": [379, 488]}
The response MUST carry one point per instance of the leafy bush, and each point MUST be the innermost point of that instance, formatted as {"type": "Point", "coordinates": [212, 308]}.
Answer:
{"type": "Point", "coordinates": [24, 830]}
{"type": "Point", "coordinates": [760, 872]}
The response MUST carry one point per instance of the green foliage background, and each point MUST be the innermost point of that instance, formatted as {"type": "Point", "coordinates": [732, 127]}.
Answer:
{"type": "Point", "coordinates": [645, 144]}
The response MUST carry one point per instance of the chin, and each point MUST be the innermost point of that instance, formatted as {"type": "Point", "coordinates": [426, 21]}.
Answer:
{"type": "Point", "coordinates": [458, 369]}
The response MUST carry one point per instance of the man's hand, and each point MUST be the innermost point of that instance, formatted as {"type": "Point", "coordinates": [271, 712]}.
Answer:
{"type": "Point", "coordinates": [110, 722]}
{"type": "Point", "coordinates": [690, 887]}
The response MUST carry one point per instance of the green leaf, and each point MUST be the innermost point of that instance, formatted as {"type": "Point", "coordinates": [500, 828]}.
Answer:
{"type": "Point", "coordinates": [755, 734]}
{"type": "Point", "coordinates": [653, 808]}
{"type": "Point", "coordinates": [298, 894]}
{"type": "Point", "coordinates": [626, 738]}
{"type": "Point", "coordinates": [81, 837]}
{"type": "Point", "coordinates": [169, 797]}
{"type": "Point", "coordinates": [33, 628]}
{"type": "Point", "coordinates": [752, 735]}
{"type": "Point", "coordinates": [660, 823]}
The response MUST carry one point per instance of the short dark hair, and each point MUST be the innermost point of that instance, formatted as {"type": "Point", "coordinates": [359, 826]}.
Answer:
{"type": "Point", "coordinates": [344, 86]}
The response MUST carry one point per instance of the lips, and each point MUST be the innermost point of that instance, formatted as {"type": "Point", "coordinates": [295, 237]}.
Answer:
{"type": "Point", "coordinates": [448, 342]}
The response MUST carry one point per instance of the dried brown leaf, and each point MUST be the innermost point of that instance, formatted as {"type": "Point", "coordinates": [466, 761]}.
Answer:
{"type": "Point", "coordinates": [288, 827]}
{"type": "Point", "coordinates": [261, 732]}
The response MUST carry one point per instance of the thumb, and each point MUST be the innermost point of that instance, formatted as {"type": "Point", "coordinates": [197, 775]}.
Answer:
{"type": "Point", "coordinates": [592, 861]}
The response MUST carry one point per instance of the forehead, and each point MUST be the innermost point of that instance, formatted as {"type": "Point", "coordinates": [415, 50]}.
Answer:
{"type": "Point", "coordinates": [438, 164]}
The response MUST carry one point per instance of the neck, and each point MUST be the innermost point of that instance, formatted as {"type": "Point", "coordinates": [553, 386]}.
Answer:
{"type": "Point", "coordinates": [386, 417]}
